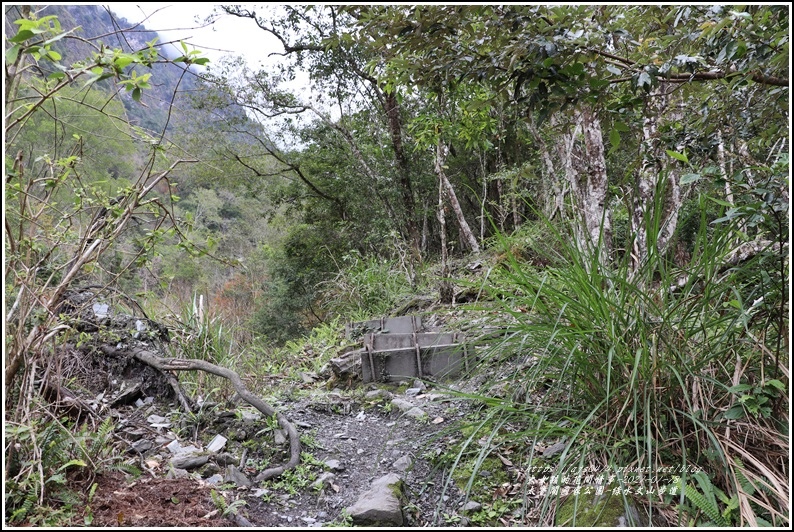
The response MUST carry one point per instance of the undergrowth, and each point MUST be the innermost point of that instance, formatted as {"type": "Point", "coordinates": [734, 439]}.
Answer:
{"type": "Point", "coordinates": [667, 386]}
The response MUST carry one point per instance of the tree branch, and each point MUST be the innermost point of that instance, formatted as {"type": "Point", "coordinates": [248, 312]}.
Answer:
{"type": "Point", "coordinates": [184, 364]}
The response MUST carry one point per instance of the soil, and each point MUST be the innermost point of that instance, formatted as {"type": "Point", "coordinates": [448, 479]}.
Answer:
{"type": "Point", "coordinates": [152, 502]}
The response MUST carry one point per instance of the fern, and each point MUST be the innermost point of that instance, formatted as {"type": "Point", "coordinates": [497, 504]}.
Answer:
{"type": "Point", "coordinates": [747, 486]}
{"type": "Point", "coordinates": [123, 467]}
{"type": "Point", "coordinates": [707, 507]}
{"type": "Point", "coordinates": [218, 501]}
{"type": "Point", "coordinates": [27, 506]}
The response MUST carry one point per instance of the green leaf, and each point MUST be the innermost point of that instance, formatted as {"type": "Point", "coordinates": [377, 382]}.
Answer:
{"type": "Point", "coordinates": [123, 60]}
{"type": "Point", "coordinates": [136, 94]}
{"type": "Point", "coordinates": [740, 388]}
{"type": "Point", "coordinates": [12, 54]}
{"type": "Point", "coordinates": [720, 202]}
{"type": "Point", "coordinates": [613, 69]}
{"type": "Point", "coordinates": [678, 156]}
{"type": "Point", "coordinates": [614, 138]}
{"type": "Point", "coordinates": [74, 462]}
{"type": "Point", "coordinates": [735, 412]}
{"type": "Point", "coordinates": [689, 178]}
{"type": "Point", "coordinates": [21, 36]}
{"type": "Point", "coordinates": [776, 383]}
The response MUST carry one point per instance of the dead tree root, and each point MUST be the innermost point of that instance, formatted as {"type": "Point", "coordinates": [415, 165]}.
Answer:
{"type": "Point", "coordinates": [182, 364]}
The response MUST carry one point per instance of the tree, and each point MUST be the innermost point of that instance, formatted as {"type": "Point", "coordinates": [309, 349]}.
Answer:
{"type": "Point", "coordinates": [551, 58]}
{"type": "Point", "coordinates": [337, 66]}
{"type": "Point", "coordinates": [62, 218]}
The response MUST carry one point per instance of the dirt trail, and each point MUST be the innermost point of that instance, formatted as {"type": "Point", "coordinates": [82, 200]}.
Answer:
{"type": "Point", "coordinates": [368, 439]}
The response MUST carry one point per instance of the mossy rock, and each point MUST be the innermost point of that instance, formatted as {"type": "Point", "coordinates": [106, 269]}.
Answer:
{"type": "Point", "coordinates": [599, 511]}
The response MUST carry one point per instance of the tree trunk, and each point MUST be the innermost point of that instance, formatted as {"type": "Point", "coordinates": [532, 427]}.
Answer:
{"type": "Point", "coordinates": [585, 170]}
{"type": "Point", "coordinates": [445, 290]}
{"type": "Point", "coordinates": [392, 110]}
{"type": "Point", "coordinates": [553, 191]}
{"type": "Point", "coordinates": [465, 230]}
{"type": "Point", "coordinates": [657, 198]}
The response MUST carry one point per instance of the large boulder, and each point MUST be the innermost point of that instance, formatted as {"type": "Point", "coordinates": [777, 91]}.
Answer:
{"type": "Point", "coordinates": [381, 505]}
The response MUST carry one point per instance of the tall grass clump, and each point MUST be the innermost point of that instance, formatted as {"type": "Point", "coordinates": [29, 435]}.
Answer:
{"type": "Point", "coordinates": [670, 381]}
{"type": "Point", "coordinates": [200, 334]}
{"type": "Point", "coordinates": [366, 287]}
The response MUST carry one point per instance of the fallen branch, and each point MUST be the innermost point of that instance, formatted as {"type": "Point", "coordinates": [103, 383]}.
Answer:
{"type": "Point", "coordinates": [183, 364]}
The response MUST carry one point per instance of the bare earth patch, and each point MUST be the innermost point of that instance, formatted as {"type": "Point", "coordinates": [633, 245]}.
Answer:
{"type": "Point", "coordinates": [153, 502]}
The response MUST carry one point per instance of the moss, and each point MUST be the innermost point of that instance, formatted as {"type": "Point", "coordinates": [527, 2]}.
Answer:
{"type": "Point", "coordinates": [397, 490]}
{"type": "Point", "coordinates": [495, 475]}
{"type": "Point", "coordinates": [589, 513]}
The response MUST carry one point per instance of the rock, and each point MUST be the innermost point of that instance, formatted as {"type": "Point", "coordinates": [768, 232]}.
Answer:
{"type": "Point", "coordinates": [154, 419]}
{"type": "Point", "coordinates": [142, 446]}
{"type": "Point", "coordinates": [378, 394]}
{"type": "Point", "coordinates": [307, 378]}
{"type": "Point", "coordinates": [249, 417]}
{"type": "Point", "coordinates": [176, 473]}
{"type": "Point", "coordinates": [334, 465]}
{"type": "Point", "coordinates": [217, 443]}
{"type": "Point", "coordinates": [381, 505]}
{"type": "Point", "coordinates": [403, 463]}
{"type": "Point", "coordinates": [225, 459]}
{"type": "Point", "coordinates": [130, 391]}
{"type": "Point", "coordinates": [554, 449]}
{"type": "Point", "coordinates": [280, 437]}
{"type": "Point", "coordinates": [238, 435]}
{"type": "Point", "coordinates": [420, 385]}
{"type": "Point", "coordinates": [323, 481]}
{"type": "Point", "coordinates": [471, 507]}
{"type": "Point", "coordinates": [416, 413]}
{"type": "Point", "coordinates": [209, 469]}
{"type": "Point", "coordinates": [175, 447]}
{"type": "Point", "coordinates": [236, 476]}
{"type": "Point", "coordinates": [410, 392]}
{"type": "Point", "coordinates": [401, 404]}
{"type": "Point", "coordinates": [215, 479]}
{"type": "Point", "coordinates": [189, 461]}
{"type": "Point", "coordinates": [132, 434]}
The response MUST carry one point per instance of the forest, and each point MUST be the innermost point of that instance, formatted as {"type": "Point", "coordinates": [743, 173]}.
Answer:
{"type": "Point", "coordinates": [595, 196]}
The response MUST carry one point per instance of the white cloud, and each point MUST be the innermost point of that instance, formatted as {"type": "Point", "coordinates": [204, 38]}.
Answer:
{"type": "Point", "coordinates": [226, 36]}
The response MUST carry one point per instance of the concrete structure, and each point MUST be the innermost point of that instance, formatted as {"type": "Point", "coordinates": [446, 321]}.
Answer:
{"type": "Point", "coordinates": [394, 350]}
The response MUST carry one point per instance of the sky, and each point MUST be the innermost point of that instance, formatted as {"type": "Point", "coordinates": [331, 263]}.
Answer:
{"type": "Point", "coordinates": [228, 35]}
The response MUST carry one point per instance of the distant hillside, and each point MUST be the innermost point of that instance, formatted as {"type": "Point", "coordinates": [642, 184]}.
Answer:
{"type": "Point", "coordinates": [97, 25]}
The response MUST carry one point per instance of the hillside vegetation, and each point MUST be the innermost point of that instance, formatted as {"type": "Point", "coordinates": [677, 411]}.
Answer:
{"type": "Point", "coordinates": [597, 195]}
